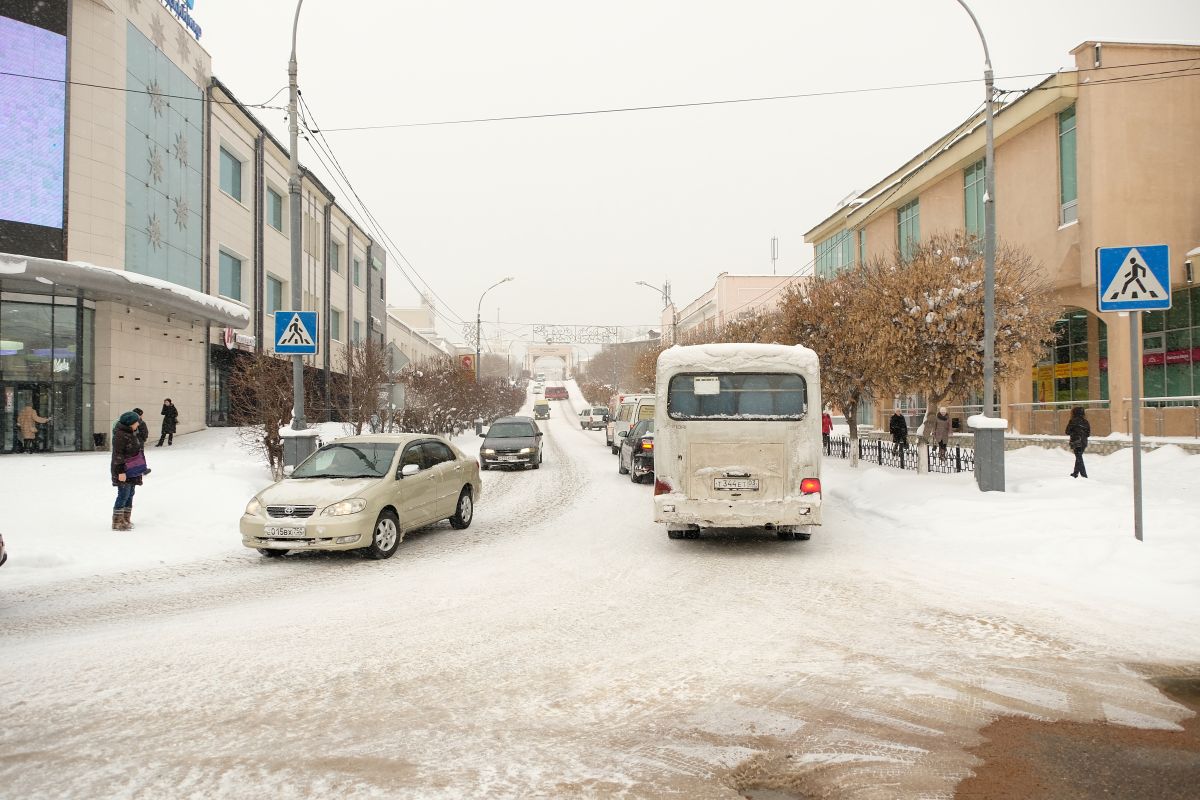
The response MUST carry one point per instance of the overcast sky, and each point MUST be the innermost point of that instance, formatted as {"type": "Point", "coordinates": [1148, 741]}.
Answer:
{"type": "Point", "coordinates": [578, 208]}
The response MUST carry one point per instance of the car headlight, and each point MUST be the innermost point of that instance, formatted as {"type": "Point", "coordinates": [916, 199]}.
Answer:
{"type": "Point", "coordinates": [253, 508]}
{"type": "Point", "coordinates": [487, 451]}
{"type": "Point", "coordinates": [345, 507]}
{"type": "Point", "coordinates": [524, 451]}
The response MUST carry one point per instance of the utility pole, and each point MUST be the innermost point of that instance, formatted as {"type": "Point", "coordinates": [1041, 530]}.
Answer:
{"type": "Point", "coordinates": [479, 323]}
{"type": "Point", "coordinates": [298, 421]}
{"type": "Point", "coordinates": [774, 253]}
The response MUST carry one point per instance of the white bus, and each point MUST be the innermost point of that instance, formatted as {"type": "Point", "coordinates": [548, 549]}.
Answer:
{"type": "Point", "coordinates": [737, 439]}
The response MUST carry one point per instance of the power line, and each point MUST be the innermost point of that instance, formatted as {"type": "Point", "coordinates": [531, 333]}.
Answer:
{"type": "Point", "coordinates": [727, 101]}
{"type": "Point", "coordinates": [127, 90]}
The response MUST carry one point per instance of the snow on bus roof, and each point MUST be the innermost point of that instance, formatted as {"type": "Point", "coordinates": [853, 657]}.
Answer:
{"type": "Point", "coordinates": [736, 356]}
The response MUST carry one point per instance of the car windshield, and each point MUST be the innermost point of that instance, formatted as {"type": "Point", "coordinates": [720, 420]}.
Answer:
{"type": "Point", "coordinates": [599, 410]}
{"type": "Point", "coordinates": [348, 460]}
{"type": "Point", "coordinates": [510, 430]}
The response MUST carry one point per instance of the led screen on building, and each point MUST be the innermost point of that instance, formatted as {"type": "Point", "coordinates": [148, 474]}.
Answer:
{"type": "Point", "coordinates": [33, 93]}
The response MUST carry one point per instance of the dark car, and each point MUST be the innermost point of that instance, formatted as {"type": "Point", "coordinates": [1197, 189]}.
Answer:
{"type": "Point", "coordinates": [635, 457]}
{"type": "Point", "coordinates": [3, 552]}
{"type": "Point", "coordinates": [512, 442]}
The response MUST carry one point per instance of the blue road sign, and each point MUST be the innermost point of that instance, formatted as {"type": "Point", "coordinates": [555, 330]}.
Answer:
{"type": "Point", "coordinates": [296, 333]}
{"type": "Point", "coordinates": [1133, 278]}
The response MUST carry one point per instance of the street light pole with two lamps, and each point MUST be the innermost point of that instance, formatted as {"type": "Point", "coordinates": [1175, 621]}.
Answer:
{"type": "Point", "coordinates": [666, 296]}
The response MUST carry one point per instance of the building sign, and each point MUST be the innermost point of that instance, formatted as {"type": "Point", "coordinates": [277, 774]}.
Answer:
{"type": "Point", "coordinates": [182, 9]}
{"type": "Point", "coordinates": [467, 363]}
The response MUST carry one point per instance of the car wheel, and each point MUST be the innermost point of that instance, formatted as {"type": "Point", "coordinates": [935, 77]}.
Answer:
{"type": "Point", "coordinates": [621, 465]}
{"type": "Point", "coordinates": [634, 477]}
{"type": "Point", "coordinates": [271, 552]}
{"type": "Point", "coordinates": [464, 511]}
{"type": "Point", "coordinates": [386, 536]}
{"type": "Point", "coordinates": [616, 451]}
{"type": "Point", "coordinates": [673, 534]}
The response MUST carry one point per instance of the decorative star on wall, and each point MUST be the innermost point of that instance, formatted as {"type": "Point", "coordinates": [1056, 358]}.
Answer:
{"type": "Point", "coordinates": [158, 100]}
{"type": "Point", "coordinates": [183, 42]}
{"type": "Point", "coordinates": [181, 149]}
{"type": "Point", "coordinates": [156, 164]}
{"type": "Point", "coordinates": [181, 209]}
{"type": "Point", "coordinates": [157, 33]}
{"type": "Point", "coordinates": [154, 232]}
{"type": "Point", "coordinates": [134, 5]}
{"type": "Point", "coordinates": [199, 73]}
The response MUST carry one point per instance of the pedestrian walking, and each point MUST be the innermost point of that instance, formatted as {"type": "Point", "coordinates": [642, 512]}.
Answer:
{"type": "Point", "coordinates": [899, 430]}
{"type": "Point", "coordinates": [170, 421]}
{"type": "Point", "coordinates": [125, 446]}
{"type": "Point", "coordinates": [826, 429]}
{"type": "Point", "coordinates": [941, 431]}
{"type": "Point", "coordinates": [1078, 431]}
{"type": "Point", "coordinates": [27, 420]}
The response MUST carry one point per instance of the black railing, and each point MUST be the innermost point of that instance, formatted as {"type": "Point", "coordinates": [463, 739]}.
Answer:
{"type": "Point", "coordinates": [888, 454]}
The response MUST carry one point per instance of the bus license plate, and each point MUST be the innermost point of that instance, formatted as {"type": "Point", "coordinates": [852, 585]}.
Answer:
{"type": "Point", "coordinates": [736, 484]}
{"type": "Point", "coordinates": [277, 532]}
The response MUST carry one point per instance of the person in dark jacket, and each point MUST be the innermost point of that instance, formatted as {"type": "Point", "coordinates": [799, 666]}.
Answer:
{"type": "Point", "coordinates": [143, 430]}
{"type": "Point", "coordinates": [1078, 431]}
{"type": "Point", "coordinates": [125, 446]}
{"type": "Point", "coordinates": [170, 420]}
{"type": "Point", "coordinates": [899, 429]}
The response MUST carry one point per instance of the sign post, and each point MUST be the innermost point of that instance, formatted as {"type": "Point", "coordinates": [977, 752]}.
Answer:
{"type": "Point", "coordinates": [1133, 280]}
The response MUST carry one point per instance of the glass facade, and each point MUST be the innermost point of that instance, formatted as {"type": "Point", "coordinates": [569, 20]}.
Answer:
{"type": "Point", "coordinates": [1068, 181]}
{"type": "Point", "coordinates": [46, 365]}
{"type": "Point", "coordinates": [834, 254]}
{"type": "Point", "coordinates": [908, 228]}
{"type": "Point", "coordinates": [1171, 347]}
{"type": "Point", "coordinates": [1069, 371]}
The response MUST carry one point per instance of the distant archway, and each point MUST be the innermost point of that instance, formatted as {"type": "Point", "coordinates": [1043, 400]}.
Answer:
{"type": "Point", "coordinates": [554, 356]}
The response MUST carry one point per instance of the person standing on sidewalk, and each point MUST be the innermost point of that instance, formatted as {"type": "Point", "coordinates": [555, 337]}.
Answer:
{"type": "Point", "coordinates": [826, 429]}
{"type": "Point", "coordinates": [125, 446]}
{"type": "Point", "coordinates": [1078, 431]}
{"type": "Point", "coordinates": [941, 431]}
{"type": "Point", "coordinates": [898, 427]}
{"type": "Point", "coordinates": [170, 421]}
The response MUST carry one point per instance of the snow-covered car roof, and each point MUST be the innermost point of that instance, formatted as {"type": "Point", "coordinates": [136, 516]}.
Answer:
{"type": "Point", "coordinates": [736, 357]}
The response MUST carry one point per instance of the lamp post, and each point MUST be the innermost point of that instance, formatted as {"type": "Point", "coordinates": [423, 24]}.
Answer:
{"type": "Point", "coordinates": [666, 296]}
{"type": "Point", "coordinates": [298, 421]}
{"type": "Point", "coordinates": [479, 323]}
{"type": "Point", "coordinates": [989, 470]}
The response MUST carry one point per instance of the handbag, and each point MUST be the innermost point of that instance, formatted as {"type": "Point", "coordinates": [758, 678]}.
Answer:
{"type": "Point", "coordinates": [135, 466]}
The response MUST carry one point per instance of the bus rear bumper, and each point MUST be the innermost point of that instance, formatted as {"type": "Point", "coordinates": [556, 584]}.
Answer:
{"type": "Point", "coordinates": [674, 509]}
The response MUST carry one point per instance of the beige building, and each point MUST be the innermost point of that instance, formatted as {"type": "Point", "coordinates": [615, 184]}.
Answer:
{"type": "Point", "coordinates": [731, 297]}
{"type": "Point", "coordinates": [1105, 155]}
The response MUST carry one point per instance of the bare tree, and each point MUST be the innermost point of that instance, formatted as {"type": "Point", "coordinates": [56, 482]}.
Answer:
{"type": "Point", "coordinates": [837, 320]}
{"type": "Point", "coordinates": [932, 315]}
{"type": "Point", "coordinates": [364, 371]}
{"type": "Point", "coordinates": [260, 399]}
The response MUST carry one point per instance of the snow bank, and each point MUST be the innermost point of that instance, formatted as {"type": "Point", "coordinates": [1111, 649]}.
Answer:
{"type": "Point", "coordinates": [981, 423]}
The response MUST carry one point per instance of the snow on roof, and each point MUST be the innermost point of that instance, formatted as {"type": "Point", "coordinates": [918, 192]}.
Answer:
{"type": "Point", "coordinates": [738, 357]}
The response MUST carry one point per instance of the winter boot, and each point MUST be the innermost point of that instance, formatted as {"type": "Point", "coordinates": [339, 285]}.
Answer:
{"type": "Point", "coordinates": [126, 513]}
{"type": "Point", "coordinates": [118, 520]}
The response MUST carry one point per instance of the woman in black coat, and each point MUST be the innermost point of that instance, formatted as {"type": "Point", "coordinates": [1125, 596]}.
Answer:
{"type": "Point", "coordinates": [898, 427]}
{"type": "Point", "coordinates": [1078, 431]}
{"type": "Point", "coordinates": [170, 420]}
{"type": "Point", "coordinates": [125, 446]}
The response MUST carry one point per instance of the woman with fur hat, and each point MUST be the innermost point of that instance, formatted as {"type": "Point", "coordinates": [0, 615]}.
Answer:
{"type": "Point", "coordinates": [941, 430]}
{"type": "Point", "coordinates": [125, 446]}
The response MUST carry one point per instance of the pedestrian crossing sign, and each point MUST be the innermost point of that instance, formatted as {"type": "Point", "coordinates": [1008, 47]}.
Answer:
{"type": "Point", "coordinates": [296, 333]}
{"type": "Point", "coordinates": [1133, 278]}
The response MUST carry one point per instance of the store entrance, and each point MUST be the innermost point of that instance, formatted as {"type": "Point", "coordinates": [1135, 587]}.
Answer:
{"type": "Point", "coordinates": [41, 398]}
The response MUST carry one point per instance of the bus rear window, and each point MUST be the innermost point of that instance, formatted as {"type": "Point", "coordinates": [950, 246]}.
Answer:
{"type": "Point", "coordinates": [737, 396]}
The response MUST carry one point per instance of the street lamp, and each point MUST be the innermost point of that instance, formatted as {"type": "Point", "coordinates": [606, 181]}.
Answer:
{"type": "Point", "coordinates": [298, 421]}
{"type": "Point", "coordinates": [989, 469]}
{"type": "Point", "coordinates": [666, 296]}
{"type": "Point", "coordinates": [479, 322]}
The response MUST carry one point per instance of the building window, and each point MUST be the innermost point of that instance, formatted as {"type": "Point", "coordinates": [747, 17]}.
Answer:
{"type": "Point", "coordinates": [908, 228]}
{"type": "Point", "coordinates": [357, 332]}
{"type": "Point", "coordinates": [230, 279]}
{"type": "Point", "coordinates": [1171, 347]}
{"type": "Point", "coordinates": [862, 245]}
{"type": "Point", "coordinates": [274, 295]}
{"type": "Point", "coordinates": [275, 209]}
{"type": "Point", "coordinates": [335, 256]}
{"type": "Point", "coordinates": [1068, 182]}
{"type": "Point", "coordinates": [834, 254]}
{"type": "Point", "coordinates": [357, 272]}
{"type": "Point", "coordinates": [335, 324]}
{"type": "Point", "coordinates": [1063, 374]}
{"type": "Point", "coordinates": [231, 175]}
{"type": "Point", "coordinates": [973, 190]}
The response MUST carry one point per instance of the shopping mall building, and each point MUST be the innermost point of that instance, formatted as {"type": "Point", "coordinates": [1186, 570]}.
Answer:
{"type": "Point", "coordinates": [144, 228]}
{"type": "Point", "coordinates": [1105, 155]}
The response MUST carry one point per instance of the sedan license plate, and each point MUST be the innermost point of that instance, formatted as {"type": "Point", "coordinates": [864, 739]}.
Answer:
{"type": "Point", "coordinates": [279, 532]}
{"type": "Point", "coordinates": [506, 458]}
{"type": "Point", "coordinates": [736, 484]}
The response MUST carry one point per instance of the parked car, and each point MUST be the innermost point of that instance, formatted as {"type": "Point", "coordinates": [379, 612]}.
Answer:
{"type": "Point", "coordinates": [635, 454]}
{"type": "Point", "coordinates": [631, 409]}
{"type": "Point", "coordinates": [541, 410]}
{"type": "Point", "coordinates": [3, 552]}
{"type": "Point", "coordinates": [556, 393]}
{"type": "Point", "coordinates": [538, 388]}
{"type": "Point", "coordinates": [364, 492]}
{"type": "Point", "coordinates": [593, 418]}
{"type": "Point", "coordinates": [512, 442]}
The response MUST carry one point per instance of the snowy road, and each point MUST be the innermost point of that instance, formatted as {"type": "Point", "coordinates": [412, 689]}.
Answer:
{"type": "Point", "coordinates": [564, 647]}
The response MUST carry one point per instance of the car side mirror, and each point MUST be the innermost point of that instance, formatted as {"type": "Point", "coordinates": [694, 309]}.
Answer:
{"type": "Point", "coordinates": [539, 433]}
{"type": "Point", "coordinates": [408, 470]}
{"type": "Point", "coordinates": [623, 434]}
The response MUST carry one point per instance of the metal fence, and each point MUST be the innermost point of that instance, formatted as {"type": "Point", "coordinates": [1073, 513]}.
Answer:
{"type": "Point", "coordinates": [888, 454]}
